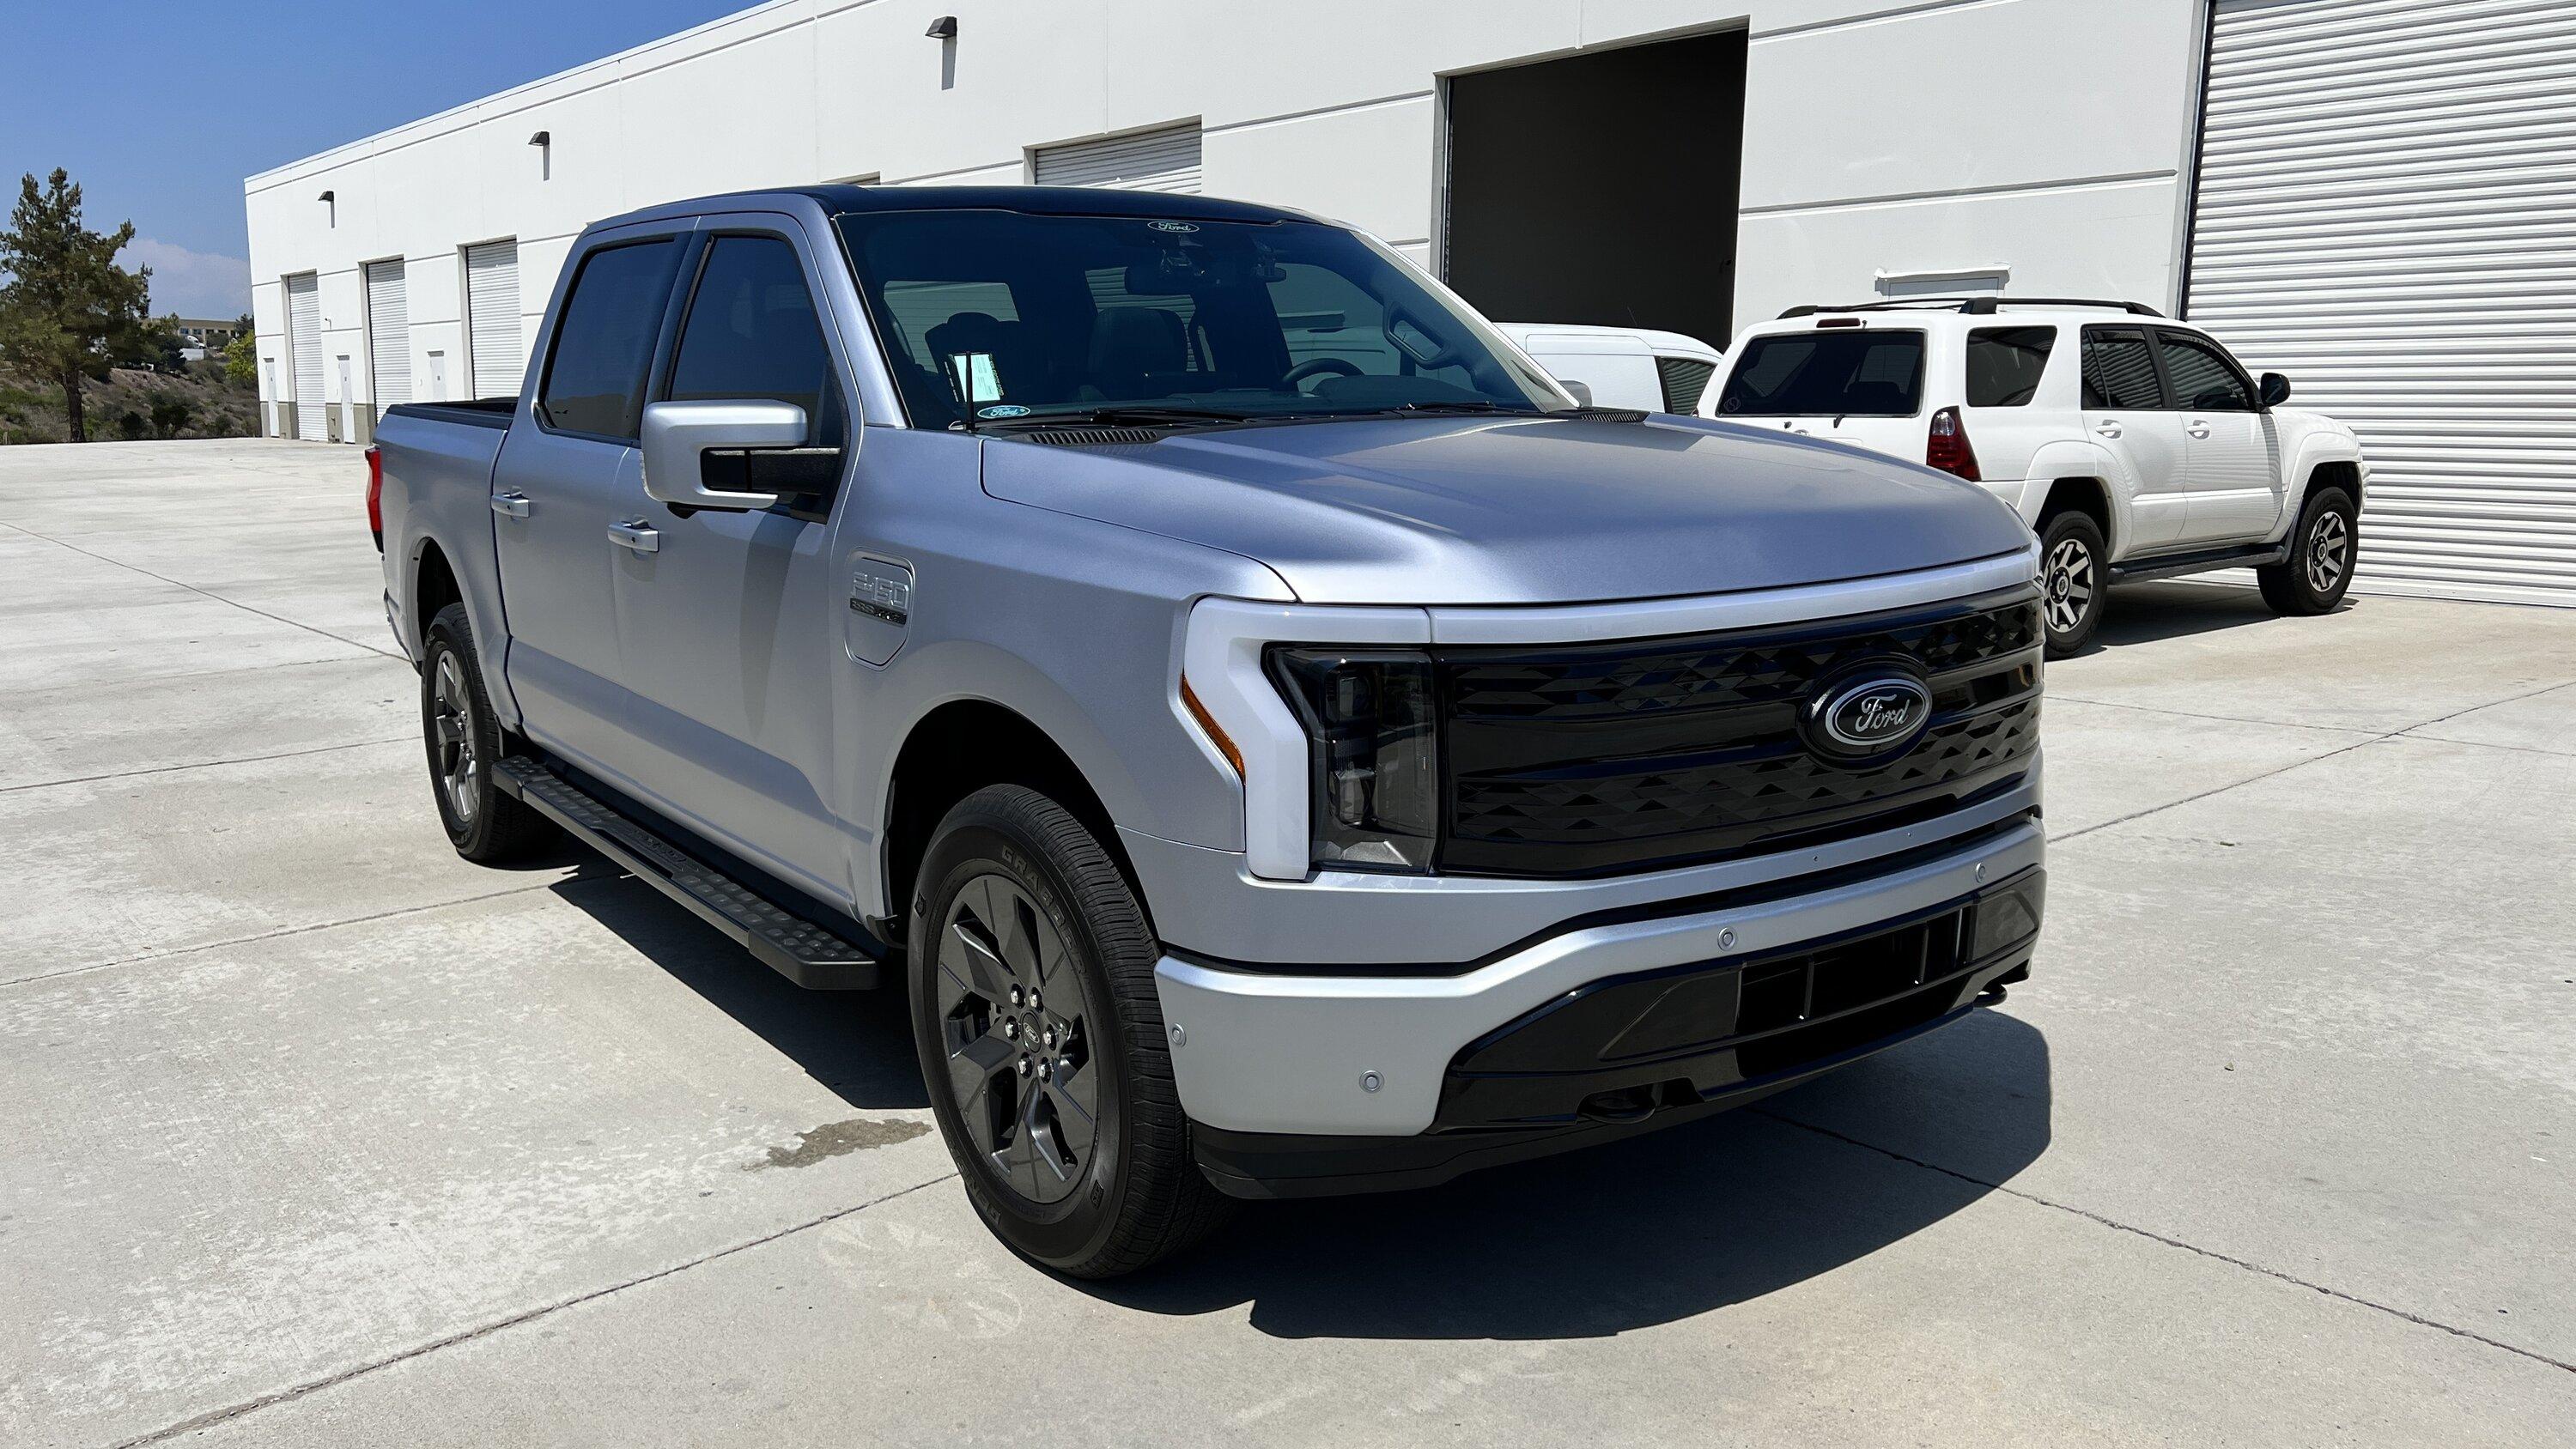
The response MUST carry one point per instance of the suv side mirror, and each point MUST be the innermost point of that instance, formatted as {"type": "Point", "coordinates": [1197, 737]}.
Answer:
{"type": "Point", "coordinates": [2276, 389]}
{"type": "Point", "coordinates": [681, 439]}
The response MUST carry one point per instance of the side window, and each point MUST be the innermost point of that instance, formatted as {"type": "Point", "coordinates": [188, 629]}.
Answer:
{"type": "Point", "coordinates": [2203, 379]}
{"type": "Point", "coordinates": [2119, 372]}
{"type": "Point", "coordinates": [2005, 363]}
{"type": "Point", "coordinates": [594, 381]}
{"type": "Point", "coordinates": [752, 333]}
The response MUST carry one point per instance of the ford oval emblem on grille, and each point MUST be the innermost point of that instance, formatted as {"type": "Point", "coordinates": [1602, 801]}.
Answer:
{"type": "Point", "coordinates": [1870, 714]}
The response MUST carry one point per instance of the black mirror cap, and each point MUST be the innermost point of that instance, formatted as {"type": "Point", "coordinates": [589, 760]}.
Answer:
{"type": "Point", "coordinates": [2276, 389]}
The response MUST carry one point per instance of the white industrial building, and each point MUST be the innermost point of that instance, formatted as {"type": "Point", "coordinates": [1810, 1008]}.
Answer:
{"type": "Point", "coordinates": [2377, 197]}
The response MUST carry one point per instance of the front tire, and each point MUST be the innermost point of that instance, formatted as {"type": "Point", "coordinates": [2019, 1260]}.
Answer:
{"type": "Point", "coordinates": [1041, 1040]}
{"type": "Point", "coordinates": [465, 743]}
{"type": "Point", "coordinates": [2323, 550]}
{"type": "Point", "coordinates": [2074, 581]}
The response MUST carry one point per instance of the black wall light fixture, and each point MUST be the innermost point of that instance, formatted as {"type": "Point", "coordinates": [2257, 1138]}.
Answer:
{"type": "Point", "coordinates": [331, 199]}
{"type": "Point", "coordinates": [943, 28]}
{"type": "Point", "coordinates": [544, 141]}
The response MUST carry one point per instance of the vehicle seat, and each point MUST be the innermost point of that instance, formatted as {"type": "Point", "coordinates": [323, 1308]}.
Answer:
{"type": "Point", "coordinates": [1137, 352]}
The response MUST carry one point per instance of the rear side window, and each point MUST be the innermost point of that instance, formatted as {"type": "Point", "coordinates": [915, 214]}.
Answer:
{"type": "Point", "coordinates": [2202, 379]}
{"type": "Point", "coordinates": [1827, 374]}
{"type": "Point", "coordinates": [752, 333]}
{"type": "Point", "coordinates": [2119, 372]}
{"type": "Point", "coordinates": [2005, 363]}
{"type": "Point", "coordinates": [595, 380]}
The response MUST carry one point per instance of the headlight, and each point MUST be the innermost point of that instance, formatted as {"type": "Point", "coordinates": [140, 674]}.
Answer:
{"type": "Point", "coordinates": [1375, 744]}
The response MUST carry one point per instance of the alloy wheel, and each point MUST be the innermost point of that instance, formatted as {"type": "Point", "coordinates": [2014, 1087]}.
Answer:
{"type": "Point", "coordinates": [2069, 582]}
{"type": "Point", "coordinates": [460, 762]}
{"type": "Point", "coordinates": [1020, 1060]}
{"type": "Point", "coordinates": [2329, 551]}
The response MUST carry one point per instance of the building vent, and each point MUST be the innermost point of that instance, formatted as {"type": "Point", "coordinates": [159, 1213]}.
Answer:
{"type": "Point", "coordinates": [1163, 160]}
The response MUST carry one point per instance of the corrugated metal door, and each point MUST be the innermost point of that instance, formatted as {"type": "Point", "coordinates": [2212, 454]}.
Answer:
{"type": "Point", "coordinates": [1164, 160]}
{"type": "Point", "coordinates": [388, 335]}
{"type": "Point", "coordinates": [2387, 213]}
{"type": "Point", "coordinates": [492, 318]}
{"type": "Point", "coordinates": [304, 346]}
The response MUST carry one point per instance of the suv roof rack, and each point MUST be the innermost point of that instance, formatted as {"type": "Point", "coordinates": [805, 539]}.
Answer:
{"type": "Point", "coordinates": [1971, 306]}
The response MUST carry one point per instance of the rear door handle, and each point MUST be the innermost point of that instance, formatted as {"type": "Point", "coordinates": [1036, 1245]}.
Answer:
{"type": "Point", "coordinates": [512, 504]}
{"type": "Point", "coordinates": [2107, 429]}
{"type": "Point", "coordinates": [636, 534]}
{"type": "Point", "coordinates": [2198, 429]}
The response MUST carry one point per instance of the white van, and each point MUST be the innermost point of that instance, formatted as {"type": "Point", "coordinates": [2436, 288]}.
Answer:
{"type": "Point", "coordinates": [1622, 367]}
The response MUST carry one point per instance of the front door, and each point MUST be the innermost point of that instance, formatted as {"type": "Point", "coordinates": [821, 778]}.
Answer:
{"type": "Point", "coordinates": [2125, 415]}
{"type": "Point", "coordinates": [566, 469]}
{"type": "Point", "coordinates": [2233, 445]}
{"type": "Point", "coordinates": [732, 621]}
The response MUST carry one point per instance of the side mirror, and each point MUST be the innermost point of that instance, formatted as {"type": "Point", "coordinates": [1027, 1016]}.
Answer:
{"type": "Point", "coordinates": [680, 437]}
{"type": "Point", "coordinates": [1582, 390]}
{"type": "Point", "coordinates": [2275, 389]}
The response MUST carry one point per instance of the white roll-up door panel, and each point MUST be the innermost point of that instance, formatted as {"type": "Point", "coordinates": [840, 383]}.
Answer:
{"type": "Point", "coordinates": [2387, 213]}
{"type": "Point", "coordinates": [1164, 160]}
{"type": "Point", "coordinates": [388, 335]}
{"type": "Point", "coordinates": [304, 345]}
{"type": "Point", "coordinates": [492, 318]}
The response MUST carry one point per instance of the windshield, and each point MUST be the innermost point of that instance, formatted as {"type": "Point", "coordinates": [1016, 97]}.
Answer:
{"type": "Point", "coordinates": [1065, 318]}
{"type": "Point", "coordinates": [1826, 374]}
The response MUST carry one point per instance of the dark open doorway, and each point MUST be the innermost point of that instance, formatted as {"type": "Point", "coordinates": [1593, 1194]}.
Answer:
{"type": "Point", "coordinates": [1601, 188]}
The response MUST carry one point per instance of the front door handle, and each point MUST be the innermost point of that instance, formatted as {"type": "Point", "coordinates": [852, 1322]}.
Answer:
{"type": "Point", "coordinates": [636, 534]}
{"type": "Point", "coordinates": [2107, 429]}
{"type": "Point", "coordinates": [2198, 429]}
{"type": "Point", "coordinates": [510, 504]}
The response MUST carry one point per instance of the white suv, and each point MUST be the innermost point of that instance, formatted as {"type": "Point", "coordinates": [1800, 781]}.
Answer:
{"type": "Point", "coordinates": [2137, 447]}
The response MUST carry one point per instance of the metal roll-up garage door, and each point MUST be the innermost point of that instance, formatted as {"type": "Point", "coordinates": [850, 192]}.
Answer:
{"type": "Point", "coordinates": [492, 318]}
{"type": "Point", "coordinates": [2386, 212]}
{"type": "Point", "coordinates": [388, 335]}
{"type": "Point", "coordinates": [304, 344]}
{"type": "Point", "coordinates": [1164, 160]}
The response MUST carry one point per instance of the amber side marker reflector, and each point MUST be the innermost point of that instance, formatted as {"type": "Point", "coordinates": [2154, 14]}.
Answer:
{"type": "Point", "coordinates": [1199, 712]}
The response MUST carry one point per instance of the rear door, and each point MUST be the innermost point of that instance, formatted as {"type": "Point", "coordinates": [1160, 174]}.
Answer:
{"type": "Point", "coordinates": [2233, 445]}
{"type": "Point", "coordinates": [733, 622]}
{"type": "Point", "coordinates": [568, 470]}
{"type": "Point", "coordinates": [1850, 380]}
{"type": "Point", "coordinates": [2126, 414]}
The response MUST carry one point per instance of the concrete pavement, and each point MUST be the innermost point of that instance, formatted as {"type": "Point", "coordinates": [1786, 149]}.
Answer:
{"type": "Point", "coordinates": [317, 1135]}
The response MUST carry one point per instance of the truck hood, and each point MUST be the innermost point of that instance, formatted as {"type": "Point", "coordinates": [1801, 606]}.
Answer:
{"type": "Point", "coordinates": [1520, 510]}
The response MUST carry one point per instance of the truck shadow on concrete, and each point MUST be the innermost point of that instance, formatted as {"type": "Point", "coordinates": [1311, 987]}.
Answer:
{"type": "Point", "coordinates": [2152, 612]}
{"type": "Point", "coordinates": [1648, 1230]}
{"type": "Point", "coordinates": [856, 1043]}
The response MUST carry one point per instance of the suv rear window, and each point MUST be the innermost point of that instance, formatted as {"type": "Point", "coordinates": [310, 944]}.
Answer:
{"type": "Point", "coordinates": [1868, 374]}
{"type": "Point", "coordinates": [2004, 364]}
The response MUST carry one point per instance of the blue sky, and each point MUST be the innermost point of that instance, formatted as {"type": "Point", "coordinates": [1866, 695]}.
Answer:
{"type": "Point", "coordinates": [159, 108]}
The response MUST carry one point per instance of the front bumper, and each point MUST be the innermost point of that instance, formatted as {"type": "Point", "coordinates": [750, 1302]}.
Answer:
{"type": "Point", "coordinates": [1357, 1056]}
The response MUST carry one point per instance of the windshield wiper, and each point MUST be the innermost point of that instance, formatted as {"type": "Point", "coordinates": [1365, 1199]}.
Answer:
{"type": "Point", "coordinates": [1123, 415]}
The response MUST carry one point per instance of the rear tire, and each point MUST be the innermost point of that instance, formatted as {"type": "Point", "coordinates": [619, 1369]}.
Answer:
{"type": "Point", "coordinates": [465, 742]}
{"type": "Point", "coordinates": [2074, 581]}
{"type": "Point", "coordinates": [1041, 1040]}
{"type": "Point", "coordinates": [2323, 549]}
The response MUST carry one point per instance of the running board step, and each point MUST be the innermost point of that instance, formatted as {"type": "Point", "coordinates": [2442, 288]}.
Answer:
{"type": "Point", "coordinates": [2196, 563]}
{"type": "Point", "coordinates": [805, 953]}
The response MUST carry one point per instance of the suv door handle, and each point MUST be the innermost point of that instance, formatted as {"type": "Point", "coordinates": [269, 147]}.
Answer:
{"type": "Point", "coordinates": [2198, 428]}
{"type": "Point", "coordinates": [510, 504]}
{"type": "Point", "coordinates": [636, 534]}
{"type": "Point", "coordinates": [2107, 428]}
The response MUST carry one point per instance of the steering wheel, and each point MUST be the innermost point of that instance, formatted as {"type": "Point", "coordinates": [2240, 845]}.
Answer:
{"type": "Point", "coordinates": [1337, 366]}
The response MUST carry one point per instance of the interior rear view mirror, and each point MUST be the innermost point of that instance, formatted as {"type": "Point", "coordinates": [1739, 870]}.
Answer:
{"type": "Point", "coordinates": [701, 454]}
{"type": "Point", "coordinates": [2276, 389]}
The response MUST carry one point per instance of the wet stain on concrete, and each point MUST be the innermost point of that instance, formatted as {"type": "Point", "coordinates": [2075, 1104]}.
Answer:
{"type": "Point", "coordinates": [834, 1139]}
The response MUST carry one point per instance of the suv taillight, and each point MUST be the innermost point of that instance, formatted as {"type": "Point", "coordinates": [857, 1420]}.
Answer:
{"type": "Point", "coordinates": [1948, 448]}
{"type": "Point", "coordinates": [376, 495]}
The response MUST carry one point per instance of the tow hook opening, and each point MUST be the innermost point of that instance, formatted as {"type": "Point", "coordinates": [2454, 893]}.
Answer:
{"type": "Point", "coordinates": [1636, 1104]}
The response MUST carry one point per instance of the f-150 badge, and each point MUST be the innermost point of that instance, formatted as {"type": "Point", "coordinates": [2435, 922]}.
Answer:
{"type": "Point", "coordinates": [882, 590]}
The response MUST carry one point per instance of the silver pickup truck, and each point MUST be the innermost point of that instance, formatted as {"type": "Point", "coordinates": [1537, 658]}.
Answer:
{"type": "Point", "coordinates": [1283, 742]}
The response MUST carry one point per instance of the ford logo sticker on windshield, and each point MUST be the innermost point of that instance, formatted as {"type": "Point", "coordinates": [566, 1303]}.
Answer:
{"type": "Point", "coordinates": [1182, 227]}
{"type": "Point", "coordinates": [1870, 714]}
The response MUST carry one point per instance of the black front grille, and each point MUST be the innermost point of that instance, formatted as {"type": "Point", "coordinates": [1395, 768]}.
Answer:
{"type": "Point", "coordinates": [1576, 760]}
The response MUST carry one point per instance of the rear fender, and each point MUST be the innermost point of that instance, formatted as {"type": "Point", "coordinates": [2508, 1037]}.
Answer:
{"type": "Point", "coordinates": [2072, 458]}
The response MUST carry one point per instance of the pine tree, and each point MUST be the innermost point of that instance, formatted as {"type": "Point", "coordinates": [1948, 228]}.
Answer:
{"type": "Point", "coordinates": [68, 308]}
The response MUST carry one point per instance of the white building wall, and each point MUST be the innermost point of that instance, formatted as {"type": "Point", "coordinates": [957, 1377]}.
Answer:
{"type": "Point", "coordinates": [2049, 136]}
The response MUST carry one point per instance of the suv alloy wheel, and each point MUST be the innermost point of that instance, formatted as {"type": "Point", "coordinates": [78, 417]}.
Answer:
{"type": "Point", "coordinates": [2072, 581]}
